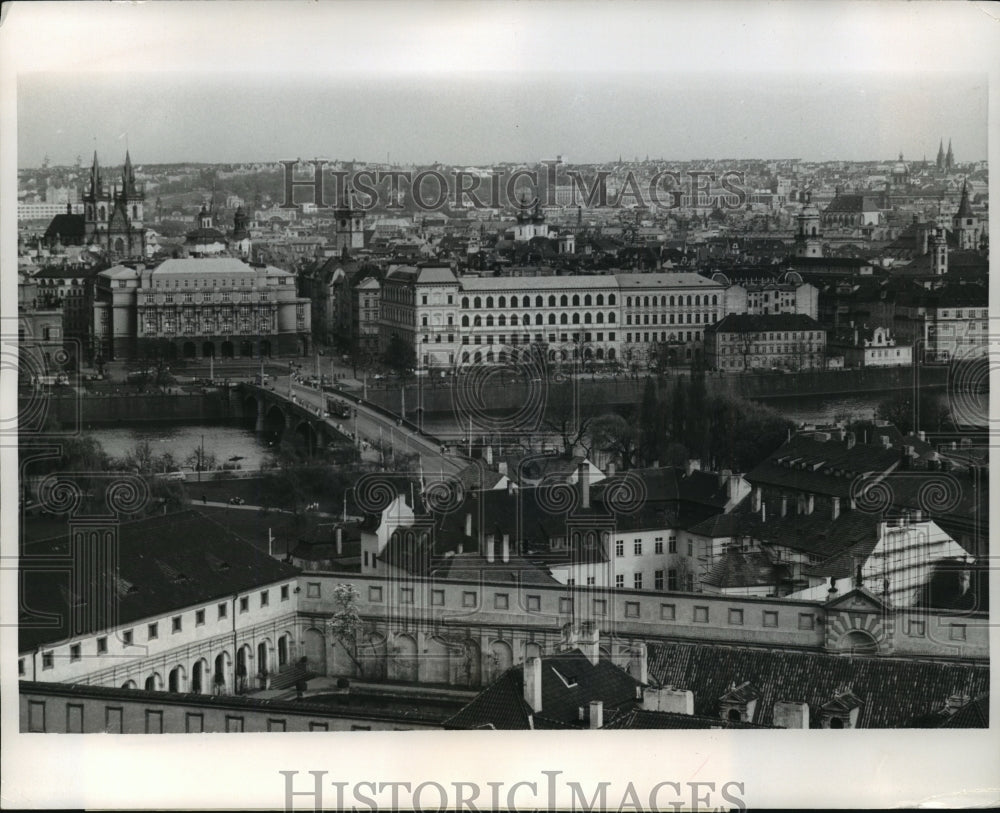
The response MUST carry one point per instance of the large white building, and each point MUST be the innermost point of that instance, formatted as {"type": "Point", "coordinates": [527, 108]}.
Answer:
{"type": "Point", "coordinates": [602, 318]}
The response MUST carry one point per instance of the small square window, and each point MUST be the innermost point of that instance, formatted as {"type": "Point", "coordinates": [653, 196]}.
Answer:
{"type": "Point", "coordinates": [957, 632]}
{"type": "Point", "coordinates": [199, 618]}
{"type": "Point", "coordinates": [668, 612]}
{"type": "Point", "coordinates": [620, 580]}
{"type": "Point", "coordinates": [637, 547]}
{"type": "Point", "coordinates": [233, 723]}
{"type": "Point", "coordinates": [244, 603]}
{"type": "Point", "coordinates": [631, 609]}
{"type": "Point", "coordinates": [736, 617]}
{"type": "Point", "coordinates": [284, 592]}
{"type": "Point", "coordinates": [102, 645]}
{"type": "Point", "coordinates": [437, 598]}
{"type": "Point", "coordinates": [807, 621]}
{"type": "Point", "coordinates": [194, 723]}
{"type": "Point", "coordinates": [534, 603]}
{"type": "Point", "coordinates": [468, 599]}
{"type": "Point", "coordinates": [916, 629]}
{"type": "Point", "coordinates": [127, 638]}
{"type": "Point", "coordinates": [565, 605]}
{"type": "Point", "coordinates": [637, 581]}
{"type": "Point", "coordinates": [770, 618]}
{"type": "Point", "coordinates": [405, 595]}
{"type": "Point", "coordinates": [701, 615]}
{"type": "Point", "coordinates": [265, 598]}
{"type": "Point", "coordinates": [375, 594]}
{"type": "Point", "coordinates": [154, 722]}
{"type": "Point", "coordinates": [175, 624]}
{"type": "Point", "coordinates": [74, 652]}
{"type": "Point", "coordinates": [501, 601]}
{"type": "Point", "coordinates": [591, 581]}
{"type": "Point", "coordinates": [276, 725]}
{"type": "Point", "coordinates": [113, 720]}
{"type": "Point", "coordinates": [658, 545]}
{"type": "Point", "coordinates": [36, 716]}
{"type": "Point", "coordinates": [600, 606]}
{"type": "Point", "coordinates": [312, 590]}
{"type": "Point", "coordinates": [223, 610]}
{"type": "Point", "coordinates": [153, 632]}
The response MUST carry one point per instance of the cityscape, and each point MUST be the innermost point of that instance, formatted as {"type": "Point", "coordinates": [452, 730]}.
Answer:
{"type": "Point", "coordinates": [353, 455]}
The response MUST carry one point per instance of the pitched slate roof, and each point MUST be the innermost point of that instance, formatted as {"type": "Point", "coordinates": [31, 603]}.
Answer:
{"type": "Point", "coordinates": [569, 681]}
{"type": "Point", "coordinates": [892, 691]}
{"type": "Point", "coordinates": [166, 563]}
{"type": "Point", "coordinates": [67, 227]}
{"type": "Point", "coordinates": [758, 323]}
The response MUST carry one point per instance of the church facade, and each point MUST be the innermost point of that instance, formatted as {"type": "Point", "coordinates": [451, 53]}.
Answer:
{"type": "Point", "coordinates": [113, 213]}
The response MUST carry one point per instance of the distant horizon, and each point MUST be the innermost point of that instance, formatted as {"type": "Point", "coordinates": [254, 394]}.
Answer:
{"type": "Point", "coordinates": [499, 118]}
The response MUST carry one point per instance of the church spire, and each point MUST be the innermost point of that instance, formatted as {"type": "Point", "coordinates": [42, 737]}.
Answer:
{"type": "Point", "coordinates": [964, 207]}
{"type": "Point", "coordinates": [949, 160]}
{"type": "Point", "coordinates": [940, 155]}
{"type": "Point", "coordinates": [95, 177]}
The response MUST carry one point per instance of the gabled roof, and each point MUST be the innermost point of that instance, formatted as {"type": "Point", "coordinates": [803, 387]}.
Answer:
{"type": "Point", "coordinates": [569, 681]}
{"type": "Point", "coordinates": [166, 563]}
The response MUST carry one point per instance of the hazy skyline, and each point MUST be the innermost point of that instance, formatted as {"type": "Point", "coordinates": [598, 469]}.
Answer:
{"type": "Point", "coordinates": [230, 118]}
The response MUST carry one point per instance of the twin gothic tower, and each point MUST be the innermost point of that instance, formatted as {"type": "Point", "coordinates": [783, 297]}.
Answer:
{"type": "Point", "coordinates": [113, 215]}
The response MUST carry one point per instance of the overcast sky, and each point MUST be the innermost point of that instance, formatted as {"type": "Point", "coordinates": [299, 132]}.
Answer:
{"type": "Point", "coordinates": [484, 82]}
{"type": "Point", "coordinates": [509, 117]}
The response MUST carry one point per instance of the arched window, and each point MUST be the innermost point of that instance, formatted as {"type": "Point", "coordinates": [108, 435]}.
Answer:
{"type": "Point", "coordinates": [645, 301]}
{"type": "Point", "coordinates": [489, 302]}
{"type": "Point", "coordinates": [672, 303]}
{"type": "Point", "coordinates": [697, 300]}
{"type": "Point", "coordinates": [563, 319]}
{"type": "Point", "coordinates": [465, 302]}
{"type": "Point", "coordinates": [526, 319]}
{"type": "Point", "coordinates": [513, 320]}
{"type": "Point", "coordinates": [689, 299]}
{"type": "Point", "coordinates": [552, 301]}
{"type": "Point", "coordinates": [587, 301]}
{"type": "Point", "coordinates": [477, 321]}
{"type": "Point", "coordinates": [477, 302]}
{"type": "Point", "coordinates": [539, 301]}
{"type": "Point", "coordinates": [715, 300]}
{"type": "Point", "coordinates": [489, 320]}
{"type": "Point", "coordinates": [611, 299]}
{"type": "Point", "coordinates": [628, 302]}
{"type": "Point", "coordinates": [489, 355]}
{"type": "Point", "coordinates": [576, 318]}
{"type": "Point", "coordinates": [600, 299]}
{"type": "Point", "coordinates": [600, 318]}
{"type": "Point", "coordinates": [552, 318]}
{"type": "Point", "coordinates": [465, 321]}
{"type": "Point", "coordinates": [563, 301]}
{"type": "Point", "coordinates": [465, 355]}
{"type": "Point", "coordinates": [538, 319]}
{"type": "Point", "coordinates": [586, 318]}
{"type": "Point", "coordinates": [502, 320]}
{"type": "Point", "coordinates": [611, 317]}
{"type": "Point", "coordinates": [502, 303]}
{"type": "Point", "coordinates": [576, 300]}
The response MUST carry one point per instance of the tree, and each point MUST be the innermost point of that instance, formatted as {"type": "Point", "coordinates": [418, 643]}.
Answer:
{"type": "Point", "coordinates": [652, 425]}
{"type": "Point", "coordinates": [201, 460]}
{"type": "Point", "coordinates": [614, 434]}
{"type": "Point", "coordinates": [400, 356]}
{"type": "Point", "coordinates": [928, 412]}
{"type": "Point", "coordinates": [345, 624]}
{"type": "Point", "coordinates": [562, 415]}
{"type": "Point", "coordinates": [746, 340]}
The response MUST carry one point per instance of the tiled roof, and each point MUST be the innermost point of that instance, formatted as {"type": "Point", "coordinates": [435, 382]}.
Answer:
{"type": "Point", "coordinates": [569, 681]}
{"type": "Point", "coordinates": [757, 323]}
{"type": "Point", "coordinates": [168, 562]}
{"type": "Point", "coordinates": [744, 569]}
{"type": "Point", "coordinates": [892, 691]}
{"type": "Point", "coordinates": [640, 718]}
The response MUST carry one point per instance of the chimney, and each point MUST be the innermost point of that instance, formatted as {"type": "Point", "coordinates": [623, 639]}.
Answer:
{"type": "Point", "coordinates": [461, 548]}
{"type": "Point", "coordinates": [639, 664]}
{"type": "Point", "coordinates": [756, 499]}
{"type": "Point", "coordinates": [510, 486]}
{"type": "Point", "coordinates": [339, 535]}
{"type": "Point", "coordinates": [596, 714]}
{"type": "Point", "coordinates": [835, 511]}
{"type": "Point", "coordinates": [791, 714]}
{"type": "Point", "coordinates": [584, 477]}
{"type": "Point", "coordinates": [667, 698]}
{"type": "Point", "coordinates": [490, 547]}
{"type": "Point", "coordinates": [468, 524]}
{"type": "Point", "coordinates": [954, 703]}
{"type": "Point", "coordinates": [533, 683]}
{"type": "Point", "coordinates": [505, 549]}
{"type": "Point", "coordinates": [831, 594]}
{"type": "Point", "coordinates": [918, 515]}
{"type": "Point", "coordinates": [851, 440]}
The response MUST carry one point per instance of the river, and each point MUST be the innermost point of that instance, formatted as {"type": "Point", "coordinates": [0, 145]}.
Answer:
{"type": "Point", "coordinates": [224, 442]}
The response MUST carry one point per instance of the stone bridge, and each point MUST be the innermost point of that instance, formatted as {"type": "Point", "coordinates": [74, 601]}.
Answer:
{"type": "Point", "coordinates": [277, 416]}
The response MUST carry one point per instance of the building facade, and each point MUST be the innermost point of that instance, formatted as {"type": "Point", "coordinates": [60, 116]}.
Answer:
{"type": "Point", "coordinates": [784, 341]}
{"type": "Point", "coordinates": [200, 308]}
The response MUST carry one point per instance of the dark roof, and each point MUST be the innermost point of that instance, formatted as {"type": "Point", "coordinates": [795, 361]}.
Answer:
{"type": "Point", "coordinates": [973, 714]}
{"type": "Point", "coordinates": [892, 691]}
{"type": "Point", "coordinates": [851, 204]}
{"type": "Point", "coordinates": [737, 568]}
{"type": "Point", "coordinates": [166, 563]}
{"type": "Point", "coordinates": [67, 227]}
{"type": "Point", "coordinates": [757, 323]}
{"type": "Point", "coordinates": [569, 681]}
{"type": "Point", "coordinates": [640, 718]}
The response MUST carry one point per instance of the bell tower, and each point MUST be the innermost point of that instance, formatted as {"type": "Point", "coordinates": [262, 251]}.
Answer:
{"type": "Point", "coordinates": [808, 239]}
{"type": "Point", "coordinates": [965, 224]}
{"type": "Point", "coordinates": [350, 219]}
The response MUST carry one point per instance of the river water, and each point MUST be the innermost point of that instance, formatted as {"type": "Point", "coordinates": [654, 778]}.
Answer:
{"type": "Point", "coordinates": [224, 442]}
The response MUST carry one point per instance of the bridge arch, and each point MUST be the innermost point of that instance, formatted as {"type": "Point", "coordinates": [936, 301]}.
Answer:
{"type": "Point", "coordinates": [275, 421]}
